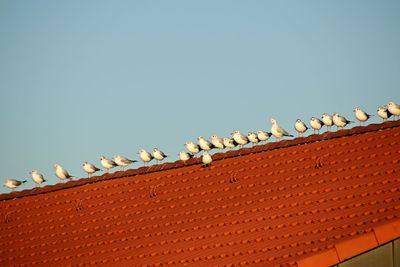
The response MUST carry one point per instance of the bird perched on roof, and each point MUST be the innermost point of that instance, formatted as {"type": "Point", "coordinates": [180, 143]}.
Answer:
{"type": "Point", "coordinates": [89, 168]}
{"type": "Point", "coordinates": [327, 120]}
{"type": "Point", "coordinates": [394, 108]}
{"type": "Point", "coordinates": [158, 154]}
{"type": "Point", "coordinates": [240, 138]}
{"type": "Point", "coordinates": [184, 156]}
{"type": "Point", "coordinates": [361, 115]}
{"type": "Point", "coordinates": [263, 135]}
{"type": "Point", "coordinates": [12, 183]}
{"type": "Point", "coordinates": [107, 163]}
{"type": "Point", "coordinates": [229, 142]}
{"type": "Point", "coordinates": [206, 158]}
{"type": "Point", "coordinates": [145, 156]}
{"type": "Point", "coordinates": [383, 112]}
{"type": "Point", "coordinates": [62, 173]}
{"type": "Point", "coordinates": [300, 127]}
{"type": "Point", "coordinates": [340, 121]}
{"type": "Point", "coordinates": [192, 147]}
{"type": "Point", "coordinates": [37, 177]}
{"type": "Point", "coordinates": [316, 124]}
{"type": "Point", "coordinates": [123, 161]}
{"type": "Point", "coordinates": [217, 142]}
{"type": "Point", "coordinates": [252, 137]}
{"type": "Point", "coordinates": [277, 131]}
{"type": "Point", "coordinates": [204, 144]}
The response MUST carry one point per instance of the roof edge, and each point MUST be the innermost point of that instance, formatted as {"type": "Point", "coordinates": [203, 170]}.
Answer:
{"type": "Point", "coordinates": [195, 161]}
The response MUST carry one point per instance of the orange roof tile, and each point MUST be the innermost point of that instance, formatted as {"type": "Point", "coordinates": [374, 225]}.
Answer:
{"type": "Point", "coordinates": [319, 199]}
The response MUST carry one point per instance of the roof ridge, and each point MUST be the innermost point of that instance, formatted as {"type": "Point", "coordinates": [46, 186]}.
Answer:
{"type": "Point", "coordinates": [195, 161]}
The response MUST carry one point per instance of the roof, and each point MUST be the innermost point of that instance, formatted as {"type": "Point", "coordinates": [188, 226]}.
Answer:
{"type": "Point", "coordinates": [310, 201]}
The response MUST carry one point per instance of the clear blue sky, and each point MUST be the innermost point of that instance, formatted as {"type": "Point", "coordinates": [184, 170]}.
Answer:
{"type": "Point", "coordinates": [81, 79]}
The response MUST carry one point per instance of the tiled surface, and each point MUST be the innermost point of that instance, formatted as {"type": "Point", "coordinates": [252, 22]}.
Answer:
{"type": "Point", "coordinates": [291, 200]}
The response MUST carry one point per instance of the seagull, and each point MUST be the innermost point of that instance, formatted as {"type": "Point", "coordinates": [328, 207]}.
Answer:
{"type": "Point", "coordinates": [240, 138]}
{"type": "Point", "coordinates": [107, 163]}
{"type": "Point", "coordinates": [300, 127]}
{"type": "Point", "coordinates": [327, 120]}
{"type": "Point", "coordinates": [184, 156]}
{"type": "Point", "coordinates": [12, 183]}
{"type": "Point", "coordinates": [145, 156]}
{"type": "Point", "coordinates": [383, 112]}
{"type": "Point", "coordinates": [361, 115]}
{"type": "Point", "coordinates": [217, 142]}
{"type": "Point", "coordinates": [204, 144]}
{"type": "Point", "coordinates": [89, 168]}
{"type": "Point", "coordinates": [229, 142]}
{"type": "Point", "coordinates": [340, 121]}
{"type": "Point", "coordinates": [253, 138]}
{"type": "Point", "coordinates": [158, 154]}
{"type": "Point", "coordinates": [192, 147]}
{"type": "Point", "coordinates": [316, 124]}
{"type": "Point", "coordinates": [263, 135]}
{"type": "Point", "coordinates": [394, 108]}
{"type": "Point", "coordinates": [61, 173]}
{"type": "Point", "coordinates": [206, 159]}
{"type": "Point", "coordinates": [277, 131]}
{"type": "Point", "coordinates": [123, 161]}
{"type": "Point", "coordinates": [37, 177]}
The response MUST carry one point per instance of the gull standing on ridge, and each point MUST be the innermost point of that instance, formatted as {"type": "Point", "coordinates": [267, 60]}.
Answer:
{"type": "Point", "coordinates": [277, 131]}
{"type": "Point", "coordinates": [37, 177]}
{"type": "Point", "coordinates": [300, 127]}
{"type": "Point", "coordinates": [89, 168]}
{"type": "Point", "coordinates": [361, 115]}
{"type": "Point", "coordinates": [206, 158]}
{"type": "Point", "coordinates": [327, 120]}
{"type": "Point", "coordinates": [240, 138]}
{"type": "Point", "coordinates": [184, 156]}
{"type": "Point", "coordinates": [316, 124]}
{"type": "Point", "coordinates": [340, 121]}
{"type": "Point", "coordinates": [263, 135]}
{"type": "Point", "coordinates": [158, 154]}
{"type": "Point", "coordinates": [394, 109]}
{"type": "Point", "coordinates": [253, 138]}
{"type": "Point", "coordinates": [107, 163]}
{"type": "Point", "coordinates": [192, 147]}
{"type": "Point", "coordinates": [217, 141]}
{"type": "Point", "coordinates": [229, 142]}
{"type": "Point", "coordinates": [204, 144]}
{"type": "Point", "coordinates": [383, 112]}
{"type": "Point", "coordinates": [145, 156]}
{"type": "Point", "coordinates": [62, 173]}
{"type": "Point", "coordinates": [123, 161]}
{"type": "Point", "coordinates": [12, 183]}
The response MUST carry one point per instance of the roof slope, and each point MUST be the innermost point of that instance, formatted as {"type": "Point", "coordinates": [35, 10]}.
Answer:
{"type": "Point", "coordinates": [279, 203]}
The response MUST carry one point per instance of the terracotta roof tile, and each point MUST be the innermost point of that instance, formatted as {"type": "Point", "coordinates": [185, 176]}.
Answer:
{"type": "Point", "coordinates": [318, 199]}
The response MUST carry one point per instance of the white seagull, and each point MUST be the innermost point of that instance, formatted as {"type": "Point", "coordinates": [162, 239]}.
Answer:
{"type": "Point", "coordinates": [123, 161]}
{"type": "Point", "coordinates": [184, 156]}
{"type": "Point", "coordinates": [192, 147]}
{"type": "Point", "coordinates": [340, 121]}
{"type": "Point", "coordinates": [37, 177]}
{"type": "Point", "coordinates": [383, 112]}
{"type": "Point", "coordinates": [253, 138]}
{"type": "Point", "coordinates": [158, 154]}
{"type": "Point", "coordinates": [327, 120]}
{"type": "Point", "coordinates": [107, 163]}
{"type": "Point", "coordinates": [204, 144]}
{"type": "Point", "coordinates": [217, 141]}
{"type": "Point", "coordinates": [263, 135]}
{"type": "Point", "coordinates": [361, 115]}
{"type": "Point", "coordinates": [394, 108]}
{"type": "Point", "coordinates": [300, 127]}
{"type": "Point", "coordinates": [240, 138]}
{"type": "Point", "coordinates": [12, 183]}
{"type": "Point", "coordinates": [89, 168]}
{"type": "Point", "coordinates": [62, 173]}
{"type": "Point", "coordinates": [316, 124]}
{"type": "Point", "coordinates": [277, 131]}
{"type": "Point", "coordinates": [206, 158]}
{"type": "Point", "coordinates": [229, 142]}
{"type": "Point", "coordinates": [145, 156]}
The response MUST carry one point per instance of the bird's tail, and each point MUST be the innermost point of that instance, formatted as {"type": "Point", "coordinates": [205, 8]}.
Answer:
{"type": "Point", "coordinates": [24, 181]}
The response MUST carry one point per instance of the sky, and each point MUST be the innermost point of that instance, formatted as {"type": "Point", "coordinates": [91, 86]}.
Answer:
{"type": "Point", "coordinates": [81, 79]}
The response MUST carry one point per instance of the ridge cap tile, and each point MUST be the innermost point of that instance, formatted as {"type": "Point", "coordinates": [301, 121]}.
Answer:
{"type": "Point", "coordinates": [325, 258]}
{"type": "Point", "coordinates": [355, 246]}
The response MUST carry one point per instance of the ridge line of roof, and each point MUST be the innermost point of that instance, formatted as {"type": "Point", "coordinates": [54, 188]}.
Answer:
{"type": "Point", "coordinates": [196, 161]}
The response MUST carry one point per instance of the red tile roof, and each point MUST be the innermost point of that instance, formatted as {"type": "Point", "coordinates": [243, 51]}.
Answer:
{"type": "Point", "coordinates": [310, 201]}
